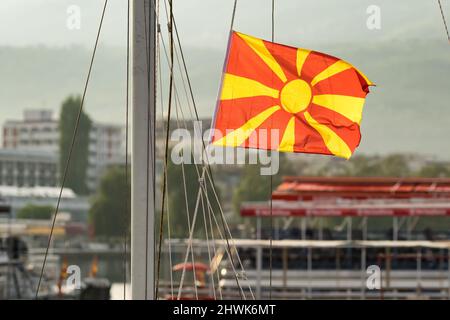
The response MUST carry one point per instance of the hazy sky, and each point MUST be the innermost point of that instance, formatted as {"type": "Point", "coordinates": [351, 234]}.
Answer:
{"type": "Point", "coordinates": [205, 23]}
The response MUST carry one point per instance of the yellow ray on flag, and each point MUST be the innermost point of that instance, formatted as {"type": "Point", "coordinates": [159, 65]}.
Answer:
{"type": "Point", "coordinates": [235, 87]}
{"type": "Point", "coordinates": [238, 136]}
{"type": "Point", "coordinates": [349, 107]}
{"type": "Point", "coordinates": [334, 143]}
{"type": "Point", "coordinates": [302, 54]}
{"type": "Point", "coordinates": [288, 140]}
{"type": "Point", "coordinates": [335, 68]}
{"type": "Point", "coordinates": [260, 49]}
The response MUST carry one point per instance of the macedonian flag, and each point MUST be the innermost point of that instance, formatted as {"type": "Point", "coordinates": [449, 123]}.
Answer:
{"type": "Point", "coordinates": [314, 101]}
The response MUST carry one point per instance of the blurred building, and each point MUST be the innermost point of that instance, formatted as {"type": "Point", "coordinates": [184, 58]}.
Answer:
{"type": "Point", "coordinates": [28, 168]}
{"type": "Point", "coordinates": [106, 148]}
{"type": "Point", "coordinates": [18, 197]}
{"type": "Point", "coordinates": [38, 131]}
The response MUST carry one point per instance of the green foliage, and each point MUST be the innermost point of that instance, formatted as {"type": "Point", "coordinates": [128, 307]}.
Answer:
{"type": "Point", "coordinates": [36, 212]}
{"type": "Point", "coordinates": [395, 165]}
{"type": "Point", "coordinates": [434, 170]}
{"type": "Point", "coordinates": [76, 175]}
{"type": "Point", "coordinates": [108, 213]}
{"type": "Point", "coordinates": [256, 187]}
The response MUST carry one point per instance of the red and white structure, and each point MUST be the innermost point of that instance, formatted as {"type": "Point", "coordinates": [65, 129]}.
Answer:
{"type": "Point", "coordinates": [356, 197]}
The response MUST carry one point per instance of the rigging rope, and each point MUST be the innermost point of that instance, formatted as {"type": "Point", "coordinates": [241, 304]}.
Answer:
{"type": "Point", "coordinates": [186, 194]}
{"type": "Point", "coordinates": [228, 247]}
{"type": "Point", "coordinates": [218, 202]}
{"type": "Point", "coordinates": [208, 244]}
{"type": "Point", "coordinates": [198, 176]}
{"type": "Point", "coordinates": [211, 177]}
{"type": "Point", "coordinates": [127, 194]}
{"type": "Point", "coordinates": [161, 226]}
{"type": "Point", "coordinates": [159, 68]}
{"type": "Point", "coordinates": [74, 135]}
{"type": "Point", "coordinates": [210, 213]}
{"type": "Point", "coordinates": [191, 233]}
{"type": "Point", "coordinates": [206, 165]}
{"type": "Point", "coordinates": [162, 117]}
{"type": "Point", "coordinates": [207, 199]}
{"type": "Point", "coordinates": [169, 238]}
{"type": "Point", "coordinates": [182, 163]}
{"type": "Point", "coordinates": [178, 103]}
{"type": "Point", "coordinates": [443, 19]}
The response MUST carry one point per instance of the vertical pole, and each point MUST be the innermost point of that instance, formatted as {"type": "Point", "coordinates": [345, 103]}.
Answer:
{"type": "Point", "coordinates": [8, 268]}
{"type": "Point", "coordinates": [408, 227]}
{"type": "Point", "coordinates": [388, 268]}
{"type": "Point", "coordinates": [349, 229]}
{"type": "Point", "coordinates": [349, 239]}
{"type": "Point", "coordinates": [258, 259]}
{"type": "Point", "coordinates": [277, 229]}
{"type": "Point", "coordinates": [285, 268]}
{"type": "Point", "coordinates": [320, 229]}
{"type": "Point", "coordinates": [143, 147]}
{"type": "Point", "coordinates": [363, 259]}
{"type": "Point", "coordinates": [419, 271]}
{"type": "Point", "coordinates": [304, 221]}
{"type": "Point", "coordinates": [309, 272]}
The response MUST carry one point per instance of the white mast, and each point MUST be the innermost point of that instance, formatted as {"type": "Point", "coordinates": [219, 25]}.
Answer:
{"type": "Point", "coordinates": [143, 28]}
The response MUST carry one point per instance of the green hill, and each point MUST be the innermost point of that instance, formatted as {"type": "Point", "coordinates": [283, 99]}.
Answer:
{"type": "Point", "coordinates": [408, 111]}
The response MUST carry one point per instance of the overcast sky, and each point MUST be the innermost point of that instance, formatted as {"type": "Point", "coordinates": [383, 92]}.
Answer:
{"type": "Point", "coordinates": [205, 23]}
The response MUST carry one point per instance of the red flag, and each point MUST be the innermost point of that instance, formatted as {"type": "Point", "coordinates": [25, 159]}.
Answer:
{"type": "Point", "coordinates": [314, 101]}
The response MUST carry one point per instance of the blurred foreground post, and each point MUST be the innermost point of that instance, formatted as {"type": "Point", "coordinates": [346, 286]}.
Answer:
{"type": "Point", "coordinates": [143, 28]}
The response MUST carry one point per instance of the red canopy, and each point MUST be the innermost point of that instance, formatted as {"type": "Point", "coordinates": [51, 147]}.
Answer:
{"type": "Point", "coordinates": [308, 188]}
{"type": "Point", "coordinates": [356, 196]}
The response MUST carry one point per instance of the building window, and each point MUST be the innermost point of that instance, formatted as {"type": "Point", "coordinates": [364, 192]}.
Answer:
{"type": "Point", "coordinates": [41, 180]}
{"type": "Point", "coordinates": [9, 167]}
{"type": "Point", "coordinates": [20, 180]}
{"type": "Point", "coordinates": [9, 180]}
{"type": "Point", "coordinates": [32, 180]}
{"type": "Point", "coordinates": [20, 167]}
